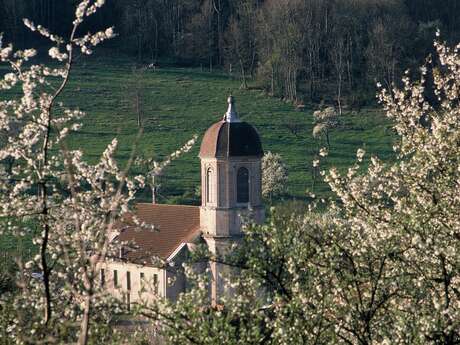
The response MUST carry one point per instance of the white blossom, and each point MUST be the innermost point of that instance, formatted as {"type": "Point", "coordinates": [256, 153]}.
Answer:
{"type": "Point", "coordinates": [323, 152]}
{"type": "Point", "coordinates": [274, 175]}
{"type": "Point", "coordinates": [72, 205]}
{"type": "Point", "coordinates": [360, 154]}
{"type": "Point", "coordinates": [381, 263]}
{"type": "Point", "coordinates": [56, 54]}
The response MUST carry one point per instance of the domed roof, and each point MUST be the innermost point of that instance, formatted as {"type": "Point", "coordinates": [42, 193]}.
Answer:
{"type": "Point", "coordinates": [230, 137]}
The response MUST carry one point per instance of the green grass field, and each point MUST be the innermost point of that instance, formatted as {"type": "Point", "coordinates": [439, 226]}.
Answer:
{"type": "Point", "coordinates": [180, 102]}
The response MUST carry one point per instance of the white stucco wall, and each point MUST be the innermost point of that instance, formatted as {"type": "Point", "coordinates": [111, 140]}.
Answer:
{"type": "Point", "coordinates": [141, 289]}
{"type": "Point", "coordinates": [170, 281]}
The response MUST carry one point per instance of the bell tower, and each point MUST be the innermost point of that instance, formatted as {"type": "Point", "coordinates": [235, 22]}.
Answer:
{"type": "Point", "coordinates": [231, 186]}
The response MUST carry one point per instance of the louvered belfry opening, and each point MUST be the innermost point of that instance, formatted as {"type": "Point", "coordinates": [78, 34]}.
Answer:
{"type": "Point", "coordinates": [242, 185]}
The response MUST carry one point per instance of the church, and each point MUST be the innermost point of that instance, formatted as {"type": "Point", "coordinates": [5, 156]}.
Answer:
{"type": "Point", "coordinates": [230, 155]}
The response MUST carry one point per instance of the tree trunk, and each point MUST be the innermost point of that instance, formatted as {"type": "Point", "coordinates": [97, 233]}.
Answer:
{"type": "Point", "coordinates": [294, 84]}
{"type": "Point", "coordinates": [156, 41]}
{"type": "Point", "coordinates": [350, 63]}
{"type": "Point", "coordinates": [139, 34]}
{"type": "Point", "coordinates": [272, 84]}
{"type": "Point", "coordinates": [219, 31]}
{"type": "Point", "coordinates": [339, 93]}
{"type": "Point", "coordinates": [154, 190]}
{"type": "Point", "coordinates": [244, 84]}
{"type": "Point", "coordinates": [138, 109]}
{"type": "Point", "coordinates": [83, 336]}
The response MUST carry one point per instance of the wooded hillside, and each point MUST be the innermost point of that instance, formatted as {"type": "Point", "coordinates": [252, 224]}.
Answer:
{"type": "Point", "coordinates": [301, 50]}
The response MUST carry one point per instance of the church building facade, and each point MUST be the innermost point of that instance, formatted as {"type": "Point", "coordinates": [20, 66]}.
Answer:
{"type": "Point", "coordinates": [230, 154]}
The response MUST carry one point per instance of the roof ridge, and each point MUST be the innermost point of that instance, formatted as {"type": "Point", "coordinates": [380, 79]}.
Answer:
{"type": "Point", "coordinates": [222, 122]}
{"type": "Point", "coordinates": [173, 205]}
{"type": "Point", "coordinates": [187, 237]}
{"type": "Point", "coordinates": [228, 139]}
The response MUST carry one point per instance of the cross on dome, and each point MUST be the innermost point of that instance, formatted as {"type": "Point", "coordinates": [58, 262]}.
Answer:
{"type": "Point", "coordinates": [231, 137]}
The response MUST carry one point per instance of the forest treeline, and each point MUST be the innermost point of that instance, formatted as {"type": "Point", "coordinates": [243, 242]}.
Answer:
{"type": "Point", "coordinates": [301, 50]}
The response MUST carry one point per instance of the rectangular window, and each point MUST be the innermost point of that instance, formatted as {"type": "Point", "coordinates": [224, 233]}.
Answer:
{"type": "Point", "coordinates": [141, 275]}
{"type": "Point", "coordinates": [155, 283]}
{"type": "Point", "coordinates": [102, 277]}
{"type": "Point", "coordinates": [209, 185]}
{"type": "Point", "coordinates": [128, 280]}
{"type": "Point", "coordinates": [242, 185]}
{"type": "Point", "coordinates": [115, 278]}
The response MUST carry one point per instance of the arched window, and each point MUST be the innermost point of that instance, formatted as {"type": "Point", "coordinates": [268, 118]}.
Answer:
{"type": "Point", "coordinates": [242, 185]}
{"type": "Point", "coordinates": [209, 185]}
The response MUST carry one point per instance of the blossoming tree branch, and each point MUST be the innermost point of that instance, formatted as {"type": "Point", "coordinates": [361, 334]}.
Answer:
{"type": "Point", "coordinates": [381, 265]}
{"type": "Point", "coordinates": [52, 194]}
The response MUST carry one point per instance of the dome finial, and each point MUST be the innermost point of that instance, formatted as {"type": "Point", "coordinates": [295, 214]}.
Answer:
{"type": "Point", "coordinates": [231, 115]}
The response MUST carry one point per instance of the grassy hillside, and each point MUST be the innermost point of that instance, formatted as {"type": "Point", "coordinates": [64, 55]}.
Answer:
{"type": "Point", "coordinates": [181, 102]}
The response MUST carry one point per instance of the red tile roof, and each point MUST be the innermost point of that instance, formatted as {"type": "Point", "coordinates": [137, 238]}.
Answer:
{"type": "Point", "coordinates": [174, 225]}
